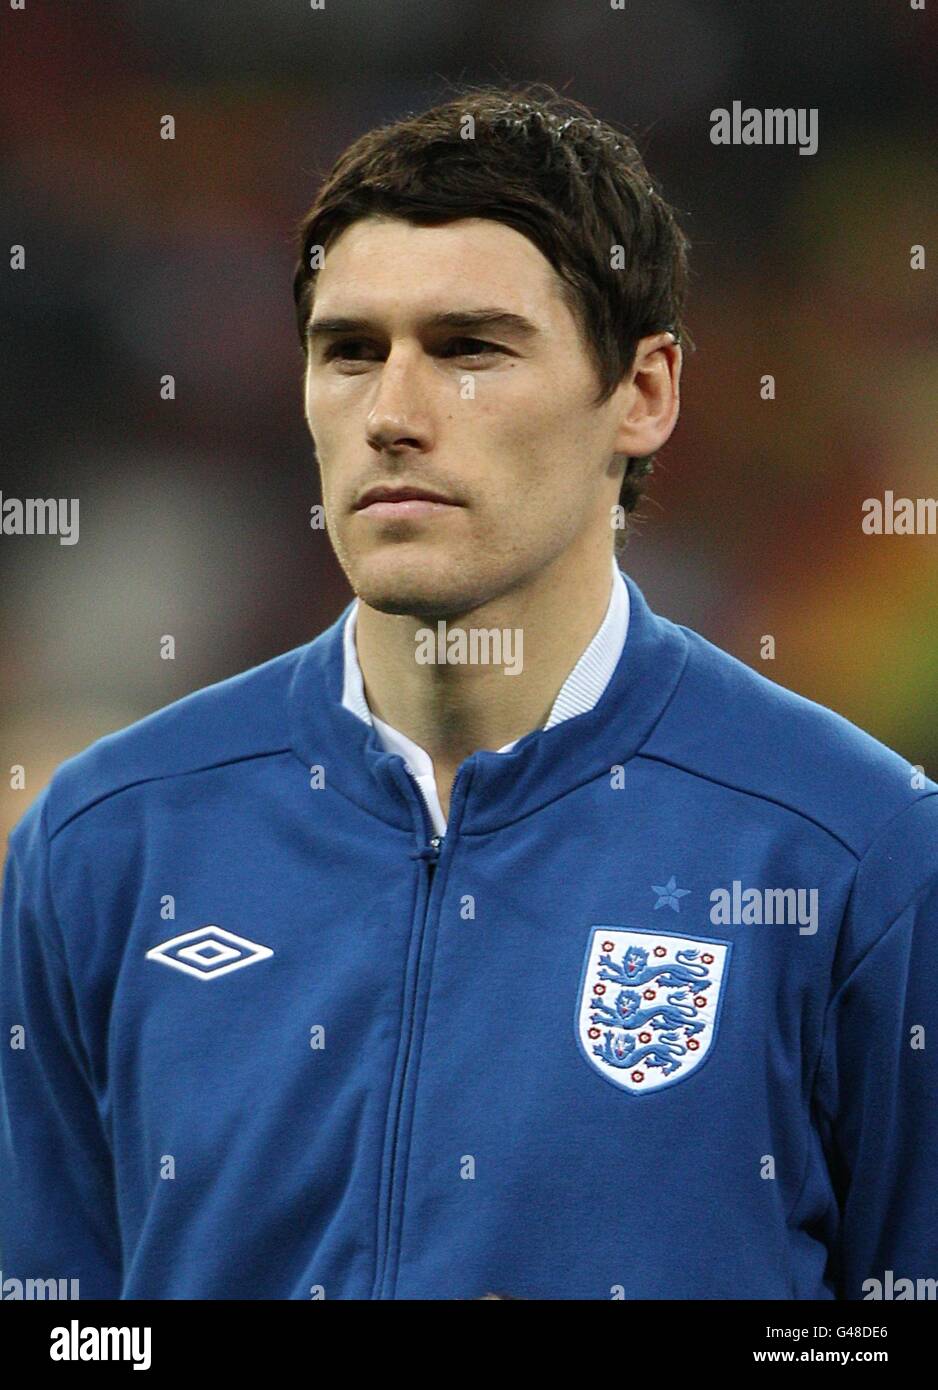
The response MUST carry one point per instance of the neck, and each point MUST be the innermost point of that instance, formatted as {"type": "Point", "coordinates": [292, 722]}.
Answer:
{"type": "Point", "coordinates": [454, 709]}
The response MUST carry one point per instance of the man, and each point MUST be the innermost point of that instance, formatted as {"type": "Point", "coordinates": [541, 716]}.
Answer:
{"type": "Point", "coordinates": [507, 937]}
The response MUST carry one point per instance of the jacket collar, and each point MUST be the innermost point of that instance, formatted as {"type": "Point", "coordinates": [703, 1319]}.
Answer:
{"type": "Point", "coordinates": [579, 692]}
{"type": "Point", "coordinates": [500, 788]}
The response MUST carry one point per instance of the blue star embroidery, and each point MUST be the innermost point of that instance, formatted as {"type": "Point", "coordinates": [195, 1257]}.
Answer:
{"type": "Point", "coordinates": [668, 894]}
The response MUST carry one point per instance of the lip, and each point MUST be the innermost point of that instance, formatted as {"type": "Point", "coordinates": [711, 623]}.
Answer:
{"type": "Point", "coordinates": [402, 501]}
{"type": "Point", "coordinates": [406, 507]}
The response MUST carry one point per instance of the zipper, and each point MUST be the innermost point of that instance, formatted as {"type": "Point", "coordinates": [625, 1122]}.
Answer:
{"type": "Point", "coordinates": [430, 854]}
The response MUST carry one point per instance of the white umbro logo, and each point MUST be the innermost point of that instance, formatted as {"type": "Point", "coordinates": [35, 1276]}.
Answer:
{"type": "Point", "coordinates": [208, 952]}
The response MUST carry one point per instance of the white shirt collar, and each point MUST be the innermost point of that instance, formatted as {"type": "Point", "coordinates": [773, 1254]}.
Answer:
{"type": "Point", "coordinates": [579, 692]}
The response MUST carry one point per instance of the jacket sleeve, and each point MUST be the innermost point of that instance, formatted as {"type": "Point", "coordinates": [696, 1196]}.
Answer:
{"type": "Point", "coordinates": [877, 1082]}
{"type": "Point", "coordinates": [57, 1210]}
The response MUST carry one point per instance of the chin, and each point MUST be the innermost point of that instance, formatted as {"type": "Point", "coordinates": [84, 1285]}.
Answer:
{"type": "Point", "coordinates": [420, 586]}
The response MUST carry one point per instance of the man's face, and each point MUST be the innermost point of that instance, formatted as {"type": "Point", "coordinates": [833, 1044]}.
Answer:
{"type": "Point", "coordinates": [494, 416]}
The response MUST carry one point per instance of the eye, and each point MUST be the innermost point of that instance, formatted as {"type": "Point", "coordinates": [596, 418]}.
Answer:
{"type": "Point", "coordinates": [473, 343]}
{"type": "Point", "coordinates": [344, 349]}
{"type": "Point", "coordinates": [349, 349]}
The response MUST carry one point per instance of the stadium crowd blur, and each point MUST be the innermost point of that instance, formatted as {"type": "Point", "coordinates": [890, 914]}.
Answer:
{"type": "Point", "coordinates": [147, 256]}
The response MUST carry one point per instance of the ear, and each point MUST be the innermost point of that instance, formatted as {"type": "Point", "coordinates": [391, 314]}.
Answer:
{"type": "Point", "coordinates": [648, 397]}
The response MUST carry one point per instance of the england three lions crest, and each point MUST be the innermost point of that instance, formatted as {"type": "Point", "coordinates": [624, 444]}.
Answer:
{"type": "Point", "coordinates": [649, 1005]}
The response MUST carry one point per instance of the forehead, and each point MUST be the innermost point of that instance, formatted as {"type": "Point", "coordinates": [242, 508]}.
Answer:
{"type": "Point", "coordinates": [381, 261]}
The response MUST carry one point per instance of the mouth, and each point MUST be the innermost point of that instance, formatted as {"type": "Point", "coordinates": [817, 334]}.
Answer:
{"type": "Point", "coordinates": [381, 502]}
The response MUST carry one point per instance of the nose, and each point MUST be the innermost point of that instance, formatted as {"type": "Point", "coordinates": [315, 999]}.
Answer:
{"type": "Point", "coordinates": [398, 418]}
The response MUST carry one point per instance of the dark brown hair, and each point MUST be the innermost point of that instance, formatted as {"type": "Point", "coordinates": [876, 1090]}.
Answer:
{"type": "Point", "coordinates": [543, 164]}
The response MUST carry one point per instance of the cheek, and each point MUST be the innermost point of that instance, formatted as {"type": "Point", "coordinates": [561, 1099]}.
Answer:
{"type": "Point", "coordinates": [542, 429]}
{"type": "Point", "coordinates": [326, 431]}
{"type": "Point", "coordinates": [318, 400]}
{"type": "Point", "coordinates": [313, 406]}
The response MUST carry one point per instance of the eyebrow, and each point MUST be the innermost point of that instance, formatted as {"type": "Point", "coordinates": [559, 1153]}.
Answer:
{"type": "Point", "coordinates": [494, 320]}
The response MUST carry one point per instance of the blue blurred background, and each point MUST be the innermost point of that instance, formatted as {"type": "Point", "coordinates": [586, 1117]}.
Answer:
{"type": "Point", "coordinates": [147, 257]}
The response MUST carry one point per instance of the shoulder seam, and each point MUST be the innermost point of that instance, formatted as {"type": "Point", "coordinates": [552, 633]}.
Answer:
{"type": "Point", "coordinates": [56, 936]}
{"type": "Point", "coordinates": [775, 801]}
{"type": "Point", "coordinates": [164, 777]}
{"type": "Point", "coordinates": [873, 946]}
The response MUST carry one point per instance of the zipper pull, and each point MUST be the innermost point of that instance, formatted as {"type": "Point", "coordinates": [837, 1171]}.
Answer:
{"type": "Point", "coordinates": [431, 852]}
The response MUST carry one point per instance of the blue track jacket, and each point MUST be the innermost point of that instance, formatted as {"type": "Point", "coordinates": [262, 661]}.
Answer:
{"type": "Point", "coordinates": [656, 1018]}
